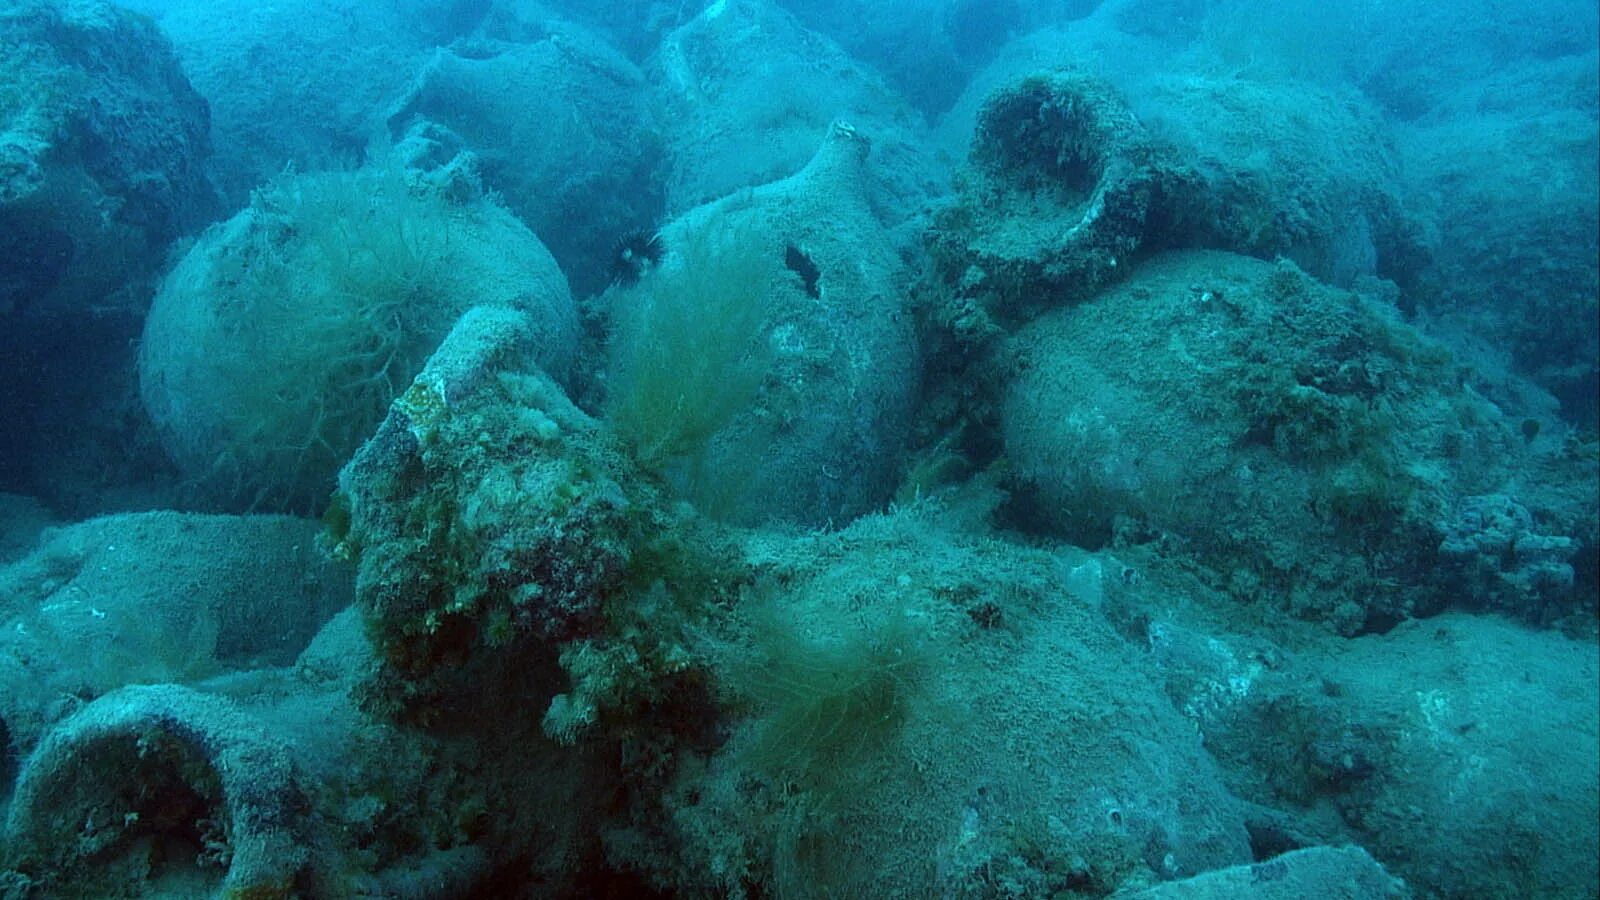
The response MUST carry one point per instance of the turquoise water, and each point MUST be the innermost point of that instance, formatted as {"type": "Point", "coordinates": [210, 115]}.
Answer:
{"type": "Point", "coordinates": [945, 448]}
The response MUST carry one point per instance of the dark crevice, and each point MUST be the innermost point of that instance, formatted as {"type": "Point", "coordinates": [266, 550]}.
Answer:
{"type": "Point", "coordinates": [802, 265]}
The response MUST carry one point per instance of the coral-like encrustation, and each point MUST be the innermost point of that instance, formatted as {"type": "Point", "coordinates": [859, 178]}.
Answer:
{"type": "Point", "coordinates": [1178, 410]}
{"type": "Point", "coordinates": [1504, 561]}
{"type": "Point", "coordinates": [486, 510]}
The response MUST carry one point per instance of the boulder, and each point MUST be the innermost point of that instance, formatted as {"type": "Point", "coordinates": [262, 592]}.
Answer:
{"type": "Point", "coordinates": [103, 148]}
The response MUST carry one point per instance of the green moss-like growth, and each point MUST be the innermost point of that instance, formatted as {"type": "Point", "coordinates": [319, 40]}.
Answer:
{"type": "Point", "coordinates": [340, 322]}
{"type": "Point", "coordinates": [831, 689]}
{"type": "Point", "coordinates": [279, 342]}
{"type": "Point", "coordinates": [687, 350]}
{"type": "Point", "coordinates": [830, 695]}
{"type": "Point", "coordinates": [518, 533]}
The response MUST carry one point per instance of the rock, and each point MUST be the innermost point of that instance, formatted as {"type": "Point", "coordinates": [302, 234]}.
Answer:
{"type": "Point", "coordinates": [103, 146]}
{"type": "Point", "coordinates": [1505, 563]}
{"type": "Point", "coordinates": [295, 85]}
{"type": "Point", "coordinates": [1486, 784]}
{"type": "Point", "coordinates": [1503, 165]}
{"type": "Point", "coordinates": [1332, 873]}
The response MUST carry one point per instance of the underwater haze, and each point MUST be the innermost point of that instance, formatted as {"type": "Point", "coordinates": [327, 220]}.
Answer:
{"type": "Point", "coordinates": [784, 449]}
